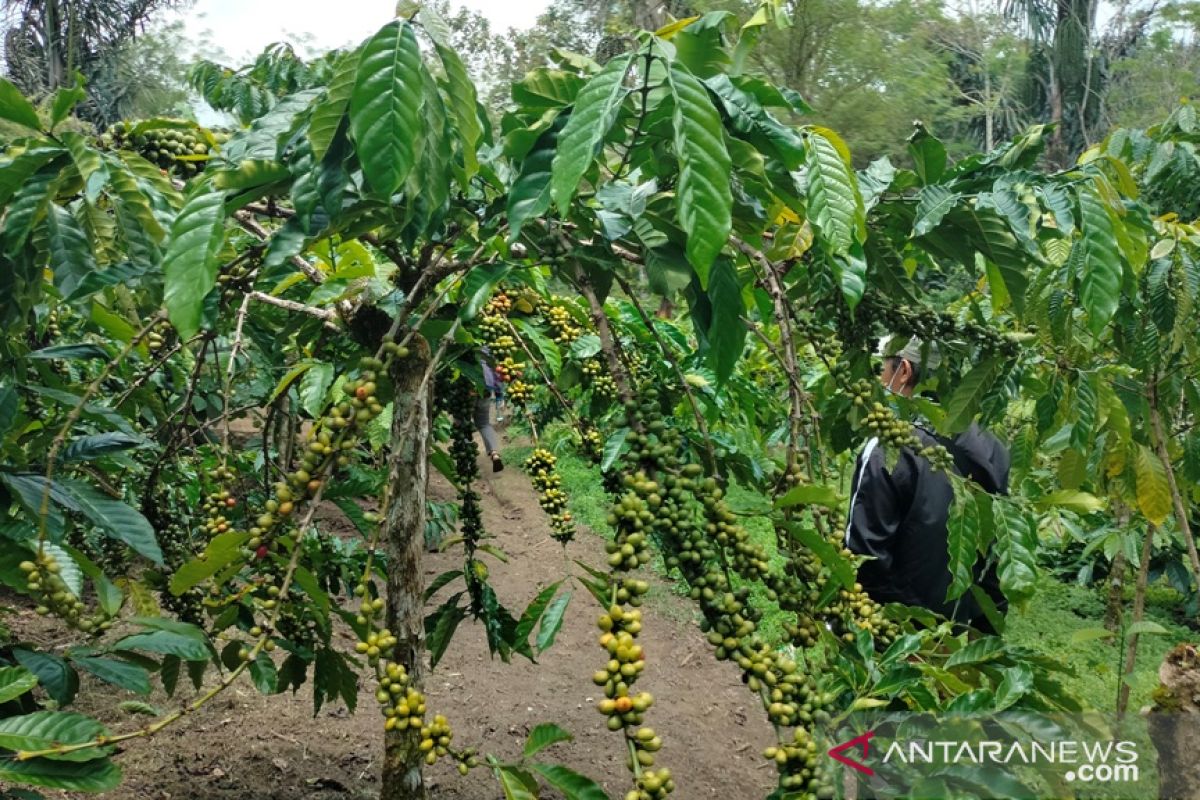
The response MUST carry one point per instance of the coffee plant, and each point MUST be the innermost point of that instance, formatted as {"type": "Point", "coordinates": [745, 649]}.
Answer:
{"type": "Point", "coordinates": [332, 275]}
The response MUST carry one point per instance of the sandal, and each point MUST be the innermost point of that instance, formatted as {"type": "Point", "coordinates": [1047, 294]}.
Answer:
{"type": "Point", "coordinates": [497, 464]}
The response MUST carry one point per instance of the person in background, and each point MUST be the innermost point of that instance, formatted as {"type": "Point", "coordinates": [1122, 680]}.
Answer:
{"type": "Point", "coordinates": [899, 517]}
{"type": "Point", "coordinates": [483, 411]}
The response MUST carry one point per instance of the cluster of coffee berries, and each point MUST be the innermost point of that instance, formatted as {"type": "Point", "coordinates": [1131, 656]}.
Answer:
{"type": "Point", "coordinates": [632, 517]}
{"type": "Point", "coordinates": [800, 765]}
{"type": "Point", "coordinates": [45, 585]}
{"type": "Point", "coordinates": [495, 333]}
{"type": "Point", "coordinates": [183, 151]}
{"type": "Point", "coordinates": [158, 336]}
{"type": "Point", "coordinates": [509, 369]}
{"type": "Point", "coordinates": [597, 377]}
{"type": "Point", "coordinates": [499, 305]}
{"type": "Point", "coordinates": [519, 392]}
{"type": "Point", "coordinates": [590, 442]}
{"type": "Point", "coordinates": [562, 330]}
{"type": "Point", "coordinates": [218, 503]}
{"type": "Point", "coordinates": [545, 478]}
{"type": "Point", "coordinates": [931, 325]}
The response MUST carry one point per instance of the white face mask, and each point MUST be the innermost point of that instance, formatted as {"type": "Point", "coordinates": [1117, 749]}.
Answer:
{"type": "Point", "coordinates": [895, 374]}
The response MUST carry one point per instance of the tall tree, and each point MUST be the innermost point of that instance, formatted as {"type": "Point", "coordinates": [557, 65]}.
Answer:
{"type": "Point", "coordinates": [47, 41]}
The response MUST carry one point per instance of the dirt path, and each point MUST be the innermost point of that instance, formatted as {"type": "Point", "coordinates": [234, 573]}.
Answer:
{"type": "Point", "coordinates": [244, 746]}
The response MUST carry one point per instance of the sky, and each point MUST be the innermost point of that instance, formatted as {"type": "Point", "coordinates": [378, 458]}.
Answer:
{"type": "Point", "coordinates": [242, 28]}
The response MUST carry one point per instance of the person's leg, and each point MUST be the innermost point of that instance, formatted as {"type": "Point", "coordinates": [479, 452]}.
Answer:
{"type": "Point", "coordinates": [483, 422]}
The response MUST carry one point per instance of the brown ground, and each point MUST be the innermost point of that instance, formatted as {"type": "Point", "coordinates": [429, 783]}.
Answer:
{"type": "Point", "coordinates": [245, 746]}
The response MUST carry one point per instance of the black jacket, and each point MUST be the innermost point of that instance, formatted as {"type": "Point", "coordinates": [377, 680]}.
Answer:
{"type": "Point", "coordinates": [899, 518]}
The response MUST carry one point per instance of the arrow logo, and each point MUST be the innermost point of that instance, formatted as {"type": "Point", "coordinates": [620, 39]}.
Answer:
{"type": "Point", "coordinates": [858, 741]}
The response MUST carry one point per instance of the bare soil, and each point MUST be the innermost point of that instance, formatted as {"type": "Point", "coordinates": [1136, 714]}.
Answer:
{"type": "Point", "coordinates": [246, 746]}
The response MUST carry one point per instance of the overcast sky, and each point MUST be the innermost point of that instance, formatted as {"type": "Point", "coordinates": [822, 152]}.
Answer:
{"type": "Point", "coordinates": [242, 28]}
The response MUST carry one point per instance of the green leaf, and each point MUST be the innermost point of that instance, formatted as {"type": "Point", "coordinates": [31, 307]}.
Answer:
{"type": "Point", "coordinates": [327, 113]}
{"type": "Point", "coordinates": [69, 250]}
{"type": "Point", "coordinates": [571, 784]}
{"type": "Point", "coordinates": [71, 351]}
{"type": "Point", "coordinates": [385, 106]}
{"type": "Point", "coordinates": [478, 286]}
{"type": "Point", "coordinates": [189, 647]}
{"type": "Point", "coordinates": [1146, 627]}
{"type": "Point", "coordinates": [595, 111]}
{"type": "Point", "coordinates": [516, 783]}
{"type": "Point", "coordinates": [116, 518]}
{"type": "Point", "coordinates": [314, 386]}
{"type": "Point", "coordinates": [289, 378]}
{"type": "Point", "coordinates": [928, 155]}
{"type": "Point", "coordinates": [221, 551]}
{"type": "Point", "coordinates": [65, 99]}
{"type": "Point", "coordinates": [529, 196]}
{"type": "Point", "coordinates": [22, 167]}
{"type": "Point", "coordinates": [10, 406]}
{"type": "Point", "coordinates": [95, 445]}
{"type": "Point", "coordinates": [463, 105]}
{"type": "Point", "coordinates": [15, 108]}
{"type": "Point", "coordinates": [440, 627]}
{"type": "Point", "coordinates": [703, 195]}
{"type": "Point", "coordinates": [726, 334]}
{"type": "Point", "coordinates": [747, 116]}
{"type": "Point", "coordinates": [834, 205]}
{"type": "Point", "coordinates": [546, 88]}
{"type": "Point", "coordinates": [190, 264]}
{"type": "Point", "coordinates": [1100, 284]}
{"type": "Point", "coordinates": [552, 621]}
{"type": "Point", "coordinates": [1088, 635]}
{"type": "Point", "coordinates": [127, 676]}
{"type": "Point", "coordinates": [811, 495]}
{"type": "Point", "coordinates": [962, 540]}
{"type": "Point", "coordinates": [979, 651]}
{"type": "Point", "coordinates": [1016, 549]}
{"type": "Point", "coordinates": [544, 735]}
{"type": "Point", "coordinates": [14, 682]}
{"type": "Point", "coordinates": [54, 674]}
{"type": "Point", "coordinates": [933, 203]}
{"type": "Point", "coordinates": [1153, 491]}
{"type": "Point", "coordinates": [1017, 681]}
{"type": "Point", "coordinates": [612, 448]}
{"type": "Point", "coordinates": [264, 674]}
{"type": "Point", "coordinates": [26, 210]}
{"type": "Point", "coordinates": [98, 775]}
{"type": "Point", "coordinates": [546, 346]}
{"type": "Point", "coordinates": [1079, 502]}
{"type": "Point", "coordinates": [968, 396]}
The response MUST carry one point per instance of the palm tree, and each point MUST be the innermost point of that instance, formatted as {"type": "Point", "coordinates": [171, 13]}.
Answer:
{"type": "Point", "coordinates": [47, 41]}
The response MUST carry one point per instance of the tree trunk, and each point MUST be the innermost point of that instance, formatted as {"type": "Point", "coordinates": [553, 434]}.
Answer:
{"type": "Point", "coordinates": [1174, 723]}
{"type": "Point", "coordinates": [408, 476]}
{"type": "Point", "coordinates": [1139, 609]}
{"type": "Point", "coordinates": [1116, 592]}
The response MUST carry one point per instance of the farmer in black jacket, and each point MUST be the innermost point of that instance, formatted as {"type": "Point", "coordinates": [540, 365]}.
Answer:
{"type": "Point", "coordinates": [899, 517]}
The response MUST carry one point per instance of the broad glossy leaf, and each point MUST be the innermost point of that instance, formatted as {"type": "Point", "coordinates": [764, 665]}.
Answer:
{"type": "Point", "coordinates": [727, 333]}
{"type": "Point", "coordinates": [571, 784]}
{"type": "Point", "coordinates": [96, 445]}
{"type": "Point", "coordinates": [928, 155]}
{"type": "Point", "coordinates": [221, 551]}
{"type": "Point", "coordinates": [552, 622]}
{"type": "Point", "coordinates": [747, 116]}
{"type": "Point", "coordinates": [463, 106]}
{"type": "Point", "coordinates": [385, 106]}
{"type": "Point", "coordinates": [14, 682]}
{"type": "Point", "coordinates": [841, 567]}
{"type": "Point", "coordinates": [968, 396]}
{"type": "Point", "coordinates": [1153, 491]}
{"type": "Point", "coordinates": [962, 537]}
{"type": "Point", "coordinates": [26, 210]}
{"type": "Point", "coordinates": [440, 627]}
{"type": "Point", "coordinates": [529, 196]}
{"type": "Point", "coordinates": [551, 355]}
{"type": "Point", "coordinates": [703, 196]}
{"type": "Point", "coordinates": [834, 205]}
{"type": "Point", "coordinates": [933, 203]}
{"type": "Point", "coordinates": [547, 88]}
{"type": "Point", "coordinates": [14, 172]}
{"type": "Point", "coordinates": [54, 674]}
{"type": "Point", "coordinates": [188, 647]}
{"type": "Point", "coordinates": [15, 108]}
{"type": "Point", "coordinates": [544, 735]}
{"type": "Point", "coordinates": [517, 784]}
{"type": "Point", "coordinates": [65, 100]}
{"type": "Point", "coordinates": [98, 775]}
{"type": "Point", "coordinates": [190, 264]}
{"type": "Point", "coordinates": [328, 112]}
{"type": "Point", "coordinates": [595, 111]}
{"type": "Point", "coordinates": [314, 385]}
{"type": "Point", "coordinates": [1016, 549]}
{"type": "Point", "coordinates": [811, 495]}
{"type": "Point", "coordinates": [116, 518]}
{"type": "Point", "coordinates": [124, 674]}
{"type": "Point", "coordinates": [1100, 284]}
